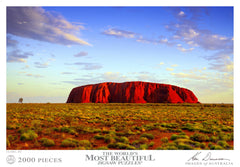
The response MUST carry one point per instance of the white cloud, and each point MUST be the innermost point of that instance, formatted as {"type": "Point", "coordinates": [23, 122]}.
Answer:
{"type": "Point", "coordinates": [188, 75]}
{"type": "Point", "coordinates": [221, 61]}
{"type": "Point", "coordinates": [174, 65]}
{"type": "Point", "coordinates": [114, 77]}
{"type": "Point", "coordinates": [181, 13]}
{"type": "Point", "coordinates": [87, 66]}
{"type": "Point", "coordinates": [182, 49]}
{"type": "Point", "coordinates": [34, 75]}
{"type": "Point", "coordinates": [225, 66]}
{"type": "Point", "coordinates": [120, 33]}
{"type": "Point", "coordinates": [143, 40]}
{"type": "Point", "coordinates": [67, 73]}
{"type": "Point", "coordinates": [39, 24]}
{"type": "Point", "coordinates": [169, 69]}
{"type": "Point", "coordinates": [81, 54]}
{"type": "Point", "coordinates": [11, 42]}
{"type": "Point", "coordinates": [41, 65]}
{"type": "Point", "coordinates": [18, 56]}
{"type": "Point", "coordinates": [188, 31]}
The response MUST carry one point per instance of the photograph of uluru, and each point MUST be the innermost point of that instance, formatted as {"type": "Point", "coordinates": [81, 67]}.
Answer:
{"type": "Point", "coordinates": [119, 78]}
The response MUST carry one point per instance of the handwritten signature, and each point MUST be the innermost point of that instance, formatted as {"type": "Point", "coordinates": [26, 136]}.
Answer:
{"type": "Point", "coordinates": [208, 157]}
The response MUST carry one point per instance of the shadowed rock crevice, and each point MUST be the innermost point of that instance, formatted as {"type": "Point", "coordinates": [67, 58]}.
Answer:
{"type": "Point", "coordinates": [131, 92]}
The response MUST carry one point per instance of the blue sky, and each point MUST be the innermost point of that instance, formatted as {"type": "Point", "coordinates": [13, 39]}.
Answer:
{"type": "Point", "coordinates": [51, 50]}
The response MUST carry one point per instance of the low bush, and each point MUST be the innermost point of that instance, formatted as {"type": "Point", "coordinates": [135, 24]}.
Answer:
{"type": "Point", "coordinates": [168, 146]}
{"type": "Point", "coordinates": [182, 146]}
{"type": "Point", "coordinates": [119, 145]}
{"type": "Point", "coordinates": [123, 139]}
{"type": "Point", "coordinates": [174, 137]}
{"type": "Point", "coordinates": [223, 144]}
{"type": "Point", "coordinates": [98, 137]}
{"type": "Point", "coordinates": [199, 137]}
{"type": "Point", "coordinates": [8, 143]}
{"type": "Point", "coordinates": [151, 144]}
{"type": "Point", "coordinates": [68, 130]}
{"type": "Point", "coordinates": [143, 140]}
{"type": "Point", "coordinates": [202, 145]}
{"type": "Point", "coordinates": [69, 142]}
{"type": "Point", "coordinates": [143, 147]}
{"type": "Point", "coordinates": [109, 139]}
{"type": "Point", "coordinates": [28, 135]}
{"type": "Point", "coordinates": [148, 135]}
{"type": "Point", "coordinates": [47, 142]}
{"type": "Point", "coordinates": [102, 148]}
{"type": "Point", "coordinates": [164, 140]}
{"type": "Point", "coordinates": [85, 143]}
{"type": "Point", "coordinates": [213, 139]}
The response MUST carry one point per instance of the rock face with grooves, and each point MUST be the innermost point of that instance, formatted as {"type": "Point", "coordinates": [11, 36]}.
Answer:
{"type": "Point", "coordinates": [131, 92]}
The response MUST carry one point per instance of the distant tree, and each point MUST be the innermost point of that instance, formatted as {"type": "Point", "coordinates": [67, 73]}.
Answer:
{"type": "Point", "coordinates": [20, 100]}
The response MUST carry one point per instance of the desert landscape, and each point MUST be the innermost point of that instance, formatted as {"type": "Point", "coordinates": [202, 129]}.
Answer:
{"type": "Point", "coordinates": [85, 125]}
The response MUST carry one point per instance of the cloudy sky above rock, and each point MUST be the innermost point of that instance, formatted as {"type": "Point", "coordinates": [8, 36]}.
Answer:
{"type": "Point", "coordinates": [51, 50]}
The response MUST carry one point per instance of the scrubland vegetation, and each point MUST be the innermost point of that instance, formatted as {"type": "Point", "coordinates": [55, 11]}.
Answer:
{"type": "Point", "coordinates": [95, 126]}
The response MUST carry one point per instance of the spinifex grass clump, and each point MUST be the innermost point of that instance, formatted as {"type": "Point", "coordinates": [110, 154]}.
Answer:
{"type": "Point", "coordinates": [47, 142]}
{"type": "Point", "coordinates": [148, 135]}
{"type": "Point", "coordinates": [119, 145]}
{"type": "Point", "coordinates": [199, 137]}
{"type": "Point", "coordinates": [69, 142]}
{"type": "Point", "coordinates": [82, 144]}
{"type": "Point", "coordinates": [28, 135]}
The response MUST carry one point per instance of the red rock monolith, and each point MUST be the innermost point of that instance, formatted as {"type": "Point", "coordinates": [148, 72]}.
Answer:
{"type": "Point", "coordinates": [131, 92]}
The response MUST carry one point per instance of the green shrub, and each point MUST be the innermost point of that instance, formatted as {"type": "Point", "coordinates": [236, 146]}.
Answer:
{"type": "Point", "coordinates": [188, 127]}
{"type": "Point", "coordinates": [199, 137]}
{"type": "Point", "coordinates": [183, 136]}
{"type": "Point", "coordinates": [129, 147]}
{"type": "Point", "coordinates": [102, 148]}
{"type": "Point", "coordinates": [109, 139]}
{"type": "Point", "coordinates": [162, 129]}
{"type": "Point", "coordinates": [123, 139]}
{"type": "Point", "coordinates": [147, 135]}
{"type": "Point", "coordinates": [183, 146]}
{"type": "Point", "coordinates": [119, 145]}
{"type": "Point", "coordinates": [174, 137]}
{"type": "Point", "coordinates": [12, 138]}
{"type": "Point", "coordinates": [202, 145]}
{"type": "Point", "coordinates": [226, 137]}
{"type": "Point", "coordinates": [151, 144]}
{"type": "Point", "coordinates": [143, 146]}
{"type": "Point", "coordinates": [223, 144]}
{"type": "Point", "coordinates": [216, 147]}
{"type": "Point", "coordinates": [69, 142]}
{"type": "Point", "coordinates": [85, 143]}
{"type": "Point", "coordinates": [35, 124]}
{"type": "Point", "coordinates": [227, 128]}
{"type": "Point", "coordinates": [28, 135]}
{"type": "Point", "coordinates": [169, 146]}
{"type": "Point", "coordinates": [80, 148]}
{"type": "Point", "coordinates": [164, 140]}
{"type": "Point", "coordinates": [213, 139]}
{"type": "Point", "coordinates": [210, 145]}
{"type": "Point", "coordinates": [47, 142]}
{"type": "Point", "coordinates": [98, 137]}
{"type": "Point", "coordinates": [8, 143]}
{"type": "Point", "coordinates": [68, 130]}
{"type": "Point", "coordinates": [143, 140]}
